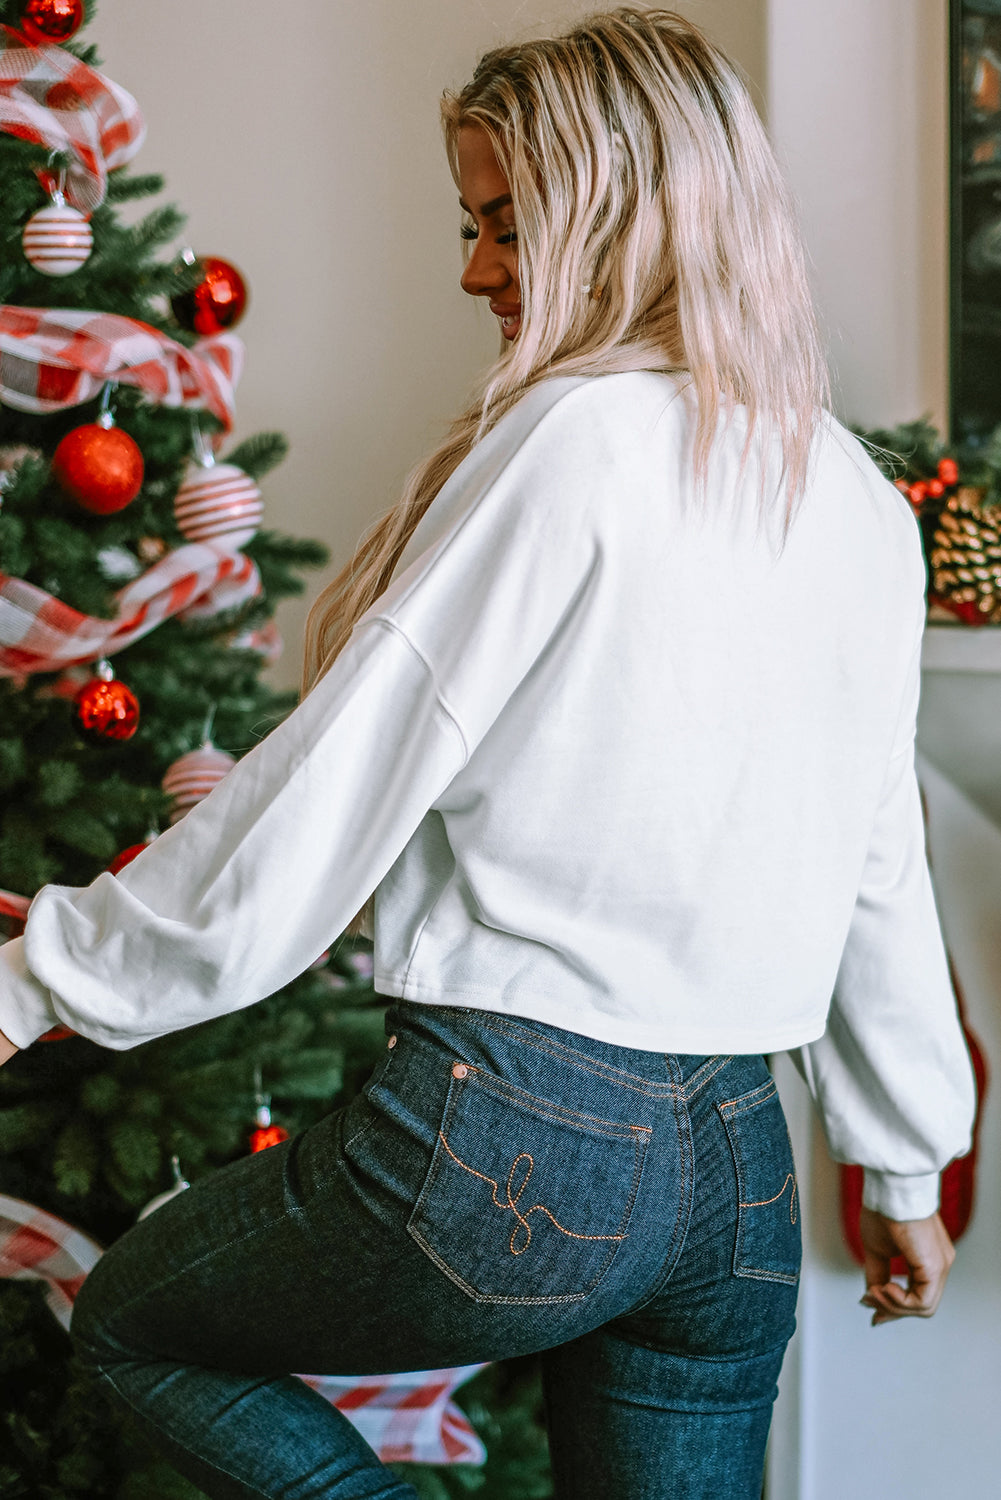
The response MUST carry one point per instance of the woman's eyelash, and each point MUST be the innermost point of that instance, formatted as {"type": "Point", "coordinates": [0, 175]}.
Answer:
{"type": "Point", "coordinates": [470, 232]}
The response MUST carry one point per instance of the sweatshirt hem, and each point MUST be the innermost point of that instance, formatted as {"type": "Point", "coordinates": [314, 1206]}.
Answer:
{"type": "Point", "coordinates": [673, 1036]}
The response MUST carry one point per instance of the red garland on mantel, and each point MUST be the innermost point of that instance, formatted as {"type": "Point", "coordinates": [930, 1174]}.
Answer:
{"type": "Point", "coordinates": [958, 1178]}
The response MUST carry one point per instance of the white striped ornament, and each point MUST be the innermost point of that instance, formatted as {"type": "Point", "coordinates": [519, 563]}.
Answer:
{"type": "Point", "coordinates": [192, 776]}
{"type": "Point", "coordinates": [218, 503]}
{"type": "Point", "coordinates": [57, 240]}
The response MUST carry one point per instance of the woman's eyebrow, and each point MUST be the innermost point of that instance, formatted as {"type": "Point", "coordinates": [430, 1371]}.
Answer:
{"type": "Point", "coordinates": [488, 209]}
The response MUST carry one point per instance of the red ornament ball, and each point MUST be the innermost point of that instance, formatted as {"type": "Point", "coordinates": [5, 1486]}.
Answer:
{"type": "Point", "coordinates": [99, 467]}
{"type": "Point", "coordinates": [127, 856]}
{"type": "Point", "coordinates": [105, 709]}
{"type": "Point", "coordinates": [948, 471]}
{"type": "Point", "coordinates": [267, 1135]}
{"type": "Point", "coordinates": [51, 20]}
{"type": "Point", "coordinates": [935, 488]}
{"type": "Point", "coordinates": [216, 303]}
{"type": "Point", "coordinates": [192, 777]}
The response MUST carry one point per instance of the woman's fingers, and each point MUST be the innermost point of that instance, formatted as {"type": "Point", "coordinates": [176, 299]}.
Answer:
{"type": "Point", "coordinates": [926, 1248]}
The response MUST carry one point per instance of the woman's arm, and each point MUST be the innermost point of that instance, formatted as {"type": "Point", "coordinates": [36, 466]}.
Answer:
{"type": "Point", "coordinates": [246, 891]}
{"type": "Point", "coordinates": [255, 882]}
{"type": "Point", "coordinates": [7, 1049]}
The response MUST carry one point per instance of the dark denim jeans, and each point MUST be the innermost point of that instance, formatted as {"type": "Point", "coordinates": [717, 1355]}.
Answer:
{"type": "Point", "coordinates": [500, 1187]}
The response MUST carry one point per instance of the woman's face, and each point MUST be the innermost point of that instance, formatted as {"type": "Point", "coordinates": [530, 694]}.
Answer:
{"type": "Point", "coordinates": [485, 196]}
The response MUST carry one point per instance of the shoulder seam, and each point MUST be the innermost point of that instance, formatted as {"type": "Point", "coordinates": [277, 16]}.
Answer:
{"type": "Point", "coordinates": [446, 708]}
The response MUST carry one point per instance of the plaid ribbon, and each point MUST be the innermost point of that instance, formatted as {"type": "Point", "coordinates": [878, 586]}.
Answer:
{"type": "Point", "coordinates": [406, 1418]}
{"type": "Point", "coordinates": [49, 96]}
{"type": "Point", "coordinates": [52, 358]}
{"type": "Point", "coordinates": [14, 906]}
{"type": "Point", "coordinates": [39, 633]}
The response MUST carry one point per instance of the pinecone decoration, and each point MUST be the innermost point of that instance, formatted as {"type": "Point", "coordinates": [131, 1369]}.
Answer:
{"type": "Point", "coordinates": [966, 558]}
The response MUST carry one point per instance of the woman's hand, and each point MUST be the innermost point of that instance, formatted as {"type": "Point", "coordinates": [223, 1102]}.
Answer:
{"type": "Point", "coordinates": [925, 1246]}
{"type": "Point", "coordinates": [7, 1049]}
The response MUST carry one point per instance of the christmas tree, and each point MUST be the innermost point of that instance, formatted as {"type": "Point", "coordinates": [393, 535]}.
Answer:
{"type": "Point", "coordinates": [137, 594]}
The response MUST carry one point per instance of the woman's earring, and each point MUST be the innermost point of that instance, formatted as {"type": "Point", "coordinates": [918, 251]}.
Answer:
{"type": "Point", "coordinates": [595, 293]}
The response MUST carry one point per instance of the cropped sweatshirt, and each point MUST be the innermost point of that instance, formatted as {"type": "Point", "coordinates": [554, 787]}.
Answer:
{"type": "Point", "coordinates": [616, 752]}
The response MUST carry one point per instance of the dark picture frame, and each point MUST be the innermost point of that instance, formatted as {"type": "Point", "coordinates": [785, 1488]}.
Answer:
{"type": "Point", "coordinates": [975, 220]}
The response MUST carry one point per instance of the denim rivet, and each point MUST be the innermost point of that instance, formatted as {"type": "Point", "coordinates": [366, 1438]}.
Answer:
{"type": "Point", "coordinates": [459, 1070]}
{"type": "Point", "coordinates": [392, 1042]}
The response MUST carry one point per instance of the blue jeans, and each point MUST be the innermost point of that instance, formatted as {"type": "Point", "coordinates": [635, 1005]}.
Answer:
{"type": "Point", "coordinates": [500, 1187]}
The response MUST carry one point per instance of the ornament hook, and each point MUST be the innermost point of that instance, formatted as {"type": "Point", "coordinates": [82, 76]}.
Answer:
{"type": "Point", "coordinates": [204, 456]}
{"type": "Point", "coordinates": [105, 417]}
{"type": "Point", "coordinates": [207, 728]}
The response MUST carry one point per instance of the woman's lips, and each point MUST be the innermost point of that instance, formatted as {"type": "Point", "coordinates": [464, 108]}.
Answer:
{"type": "Point", "coordinates": [510, 317]}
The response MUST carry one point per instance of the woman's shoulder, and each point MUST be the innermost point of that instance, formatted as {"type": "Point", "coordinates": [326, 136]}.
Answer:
{"type": "Point", "coordinates": [616, 399]}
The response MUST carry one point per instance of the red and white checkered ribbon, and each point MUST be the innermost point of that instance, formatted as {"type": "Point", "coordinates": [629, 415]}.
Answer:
{"type": "Point", "coordinates": [39, 633]}
{"type": "Point", "coordinates": [52, 358]}
{"type": "Point", "coordinates": [14, 906]}
{"type": "Point", "coordinates": [49, 96]}
{"type": "Point", "coordinates": [36, 1246]}
{"type": "Point", "coordinates": [407, 1418]}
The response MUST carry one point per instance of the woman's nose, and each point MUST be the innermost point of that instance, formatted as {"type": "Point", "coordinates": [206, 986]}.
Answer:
{"type": "Point", "coordinates": [484, 272]}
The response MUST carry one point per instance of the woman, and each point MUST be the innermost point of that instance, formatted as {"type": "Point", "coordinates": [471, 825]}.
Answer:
{"type": "Point", "coordinates": [634, 785]}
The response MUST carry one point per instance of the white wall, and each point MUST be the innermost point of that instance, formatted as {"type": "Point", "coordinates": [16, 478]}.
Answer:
{"type": "Point", "coordinates": [910, 1409]}
{"type": "Point", "coordinates": [303, 143]}
{"type": "Point", "coordinates": [857, 106]}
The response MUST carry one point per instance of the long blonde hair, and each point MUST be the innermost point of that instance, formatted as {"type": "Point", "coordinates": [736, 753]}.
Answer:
{"type": "Point", "coordinates": [637, 164]}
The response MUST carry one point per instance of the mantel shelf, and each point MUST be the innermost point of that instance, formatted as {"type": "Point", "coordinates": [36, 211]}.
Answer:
{"type": "Point", "coordinates": [961, 648]}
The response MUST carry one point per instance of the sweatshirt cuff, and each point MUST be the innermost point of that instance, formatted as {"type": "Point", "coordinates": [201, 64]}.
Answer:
{"type": "Point", "coordinates": [25, 1005]}
{"type": "Point", "coordinates": [901, 1198]}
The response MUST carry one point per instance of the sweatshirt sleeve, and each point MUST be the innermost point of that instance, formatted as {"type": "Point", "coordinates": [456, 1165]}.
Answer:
{"type": "Point", "coordinates": [258, 879]}
{"type": "Point", "coordinates": [891, 1076]}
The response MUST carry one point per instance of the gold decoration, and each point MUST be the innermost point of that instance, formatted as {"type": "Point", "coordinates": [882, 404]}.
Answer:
{"type": "Point", "coordinates": [966, 558]}
{"type": "Point", "coordinates": [151, 548]}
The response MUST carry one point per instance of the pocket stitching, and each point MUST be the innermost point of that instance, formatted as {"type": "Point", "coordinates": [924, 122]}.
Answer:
{"type": "Point", "coordinates": [503, 1090]}
{"type": "Point", "coordinates": [512, 1203]}
{"type": "Point", "coordinates": [638, 1134]}
{"type": "Point", "coordinates": [729, 1110]}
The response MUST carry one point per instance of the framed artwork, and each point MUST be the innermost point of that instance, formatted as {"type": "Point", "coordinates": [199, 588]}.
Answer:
{"type": "Point", "coordinates": [975, 260]}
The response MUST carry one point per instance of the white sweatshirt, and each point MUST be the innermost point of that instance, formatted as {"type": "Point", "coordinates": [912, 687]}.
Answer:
{"type": "Point", "coordinates": [614, 759]}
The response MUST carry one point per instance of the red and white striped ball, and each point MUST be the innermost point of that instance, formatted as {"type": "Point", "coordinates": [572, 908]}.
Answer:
{"type": "Point", "coordinates": [219, 504]}
{"type": "Point", "coordinates": [57, 240]}
{"type": "Point", "coordinates": [192, 777]}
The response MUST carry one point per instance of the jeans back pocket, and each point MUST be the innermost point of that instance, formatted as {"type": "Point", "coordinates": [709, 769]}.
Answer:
{"type": "Point", "coordinates": [767, 1246]}
{"type": "Point", "coordinates": [525, 1201]}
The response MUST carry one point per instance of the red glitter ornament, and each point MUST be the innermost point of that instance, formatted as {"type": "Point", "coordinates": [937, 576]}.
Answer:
{"type": "Point", "coordinates": [217, 302]}
{"type": "Point", "coordinates": [51, 20]}
{"type": "Point", "coordinates": [265, 1133]}
{"type": "Point", "coordinates": [99, 466]}
{"type": "Point", "coordinates": [128, 855]}
{"type": "Point", "coordinates": [105, 709]}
